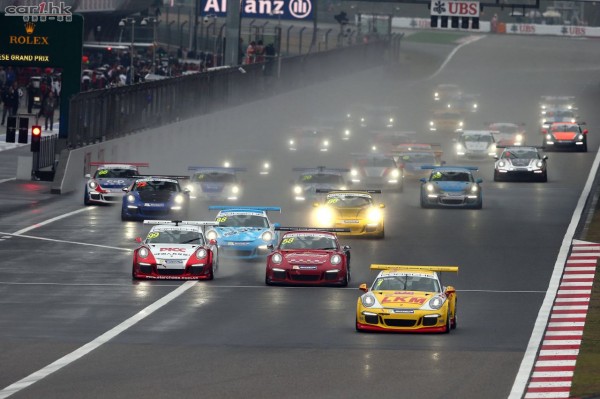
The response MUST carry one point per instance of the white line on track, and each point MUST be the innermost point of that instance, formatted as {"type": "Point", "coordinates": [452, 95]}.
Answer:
{"type": "Point", "coordinates": [472, 39]}
{"type": "Point", "coordinates": [67, 242]}
{"type": "Point", "coordinates": [9, 179]}
{"type": "Point", "coordinates": [90, 346]}
{"type": "Point", "coordinates": [539, 328]}
{"type": "Point", "coordinates": [45, 222]}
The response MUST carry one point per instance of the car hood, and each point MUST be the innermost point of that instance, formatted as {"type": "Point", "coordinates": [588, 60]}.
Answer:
{"type": "Point", "coordinates": [403, 299]}
{"type": "Point", "coordinates": [564, 135]}
{"type": "Point", "coordinates": [307, 257]}
{"type": "Point", "coordinates": [346, 213]}
{"type": "Point", "coordinates": [373, 171]}
{"type": "Point", "coordinates": [213, 187]}
{"type": "Point", "coordinates": [453, 186]}
{"type": "Point", "coordinates": [520, 162]}
{"type": "Point", "coordinates": [476, 145]}
{"type": "Point", "coordinates": [239, 234]}
{"type": "Point", "coordinates": [114, 182]}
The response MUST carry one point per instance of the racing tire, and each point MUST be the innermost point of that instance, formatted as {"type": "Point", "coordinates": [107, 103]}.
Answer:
{"type": "Point", "coordinates": [86, 199]}
{"type": "Point", "coordinates": [544, 177]}
{"type": "Point", "coordinates": [479, 204]}
{"type": "Point", "coordinates": [211, 275]}
{"type": "Point", "coordinates": [381, 235]}
{"type": "Point", "coordinates": [448, 324]}
{"type": "Point", "coordinates": [497, 176]}
{"type": "Point", "coordinates": [267, 281]}
{"type": "Point", "coordinates": [424, 203]}
{"type": "Point", "coordinates": [583, 148]}
{"type": "Point", "coordinates": [124, 217]}
{"type": "Point", "coordinates": [453, 323]}
{"type": "Point", "coordinates": [346, 279]}
{"type": "Point", "coordinates": [356, 326]}
{"type": "Point", "coordinates": [401, 187]}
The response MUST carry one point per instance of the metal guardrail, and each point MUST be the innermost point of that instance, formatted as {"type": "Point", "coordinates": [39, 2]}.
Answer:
{"type": "Point", "coordinates": [101, 115]}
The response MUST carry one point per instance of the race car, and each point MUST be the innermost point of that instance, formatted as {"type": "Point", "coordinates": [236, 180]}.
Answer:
{"type": "Point", "coordinates": [382, 141]}
{"type": "Point", "coordinates": [315, 138]}
{"type": "Point", "coordinates": [446, 121]}
{"type": "Point", "coordinates": [521, 163]}
{"type": "Point", "coordinates": [351, 209]}
{"type": "Point", "coordinates": [476, 144]}
{"type": "Point", "coordinates": [155, 197]}
{"type": "Point", "coordinates": [309, 256]}
{"type": "Point", "coordinates": [106, 186]}
{"type": "Point", "coordinates": [215, 183]}
{"type": "Point", "coordinates": [175, 250]}
{"type": "Point", "coordinates": [373, 117]}
{"type": "Point", "coordinates": [553, 115]}
{"type": "Point", "coordinates": [376, 169]}
{"type": "Point", "coordinates": [564, 102]}
{"type": "Point", "coordinates": [244, 232]}
{"type": "Point", "coordinates": [445, 91]}
{"type": "Point", "coordinates": [407, 299]}
{"type": "Point", "coordinates": [411, 157]}
{"type": "Point", "coordinates": [463, 103]}
{"type": "Point", "coordinates": [566, 135]}
{"type": "Point", "coordinates": [311, 179]}
{"type": "Point", "coordinates": [507, 134]}
{"type": "Point", "coordinates": [451, 186]}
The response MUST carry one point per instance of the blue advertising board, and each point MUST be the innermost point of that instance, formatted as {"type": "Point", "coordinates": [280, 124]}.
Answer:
{"type": "Point", "coordinates": [298, 10]}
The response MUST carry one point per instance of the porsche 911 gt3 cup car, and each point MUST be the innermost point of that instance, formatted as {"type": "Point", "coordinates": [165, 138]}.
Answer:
{"type": "Point", "coordinates": [554, 115]}
{"type": "Point", "coordinates": [215, 183]}
{"type": "Point", "coordinates": [315, 138]}
{"type": "Point", "coordinates": [309, 256]}
{"type": "Point", "coordinates": [445, 91]}
{"type": "Point", "coordinates": [463, 103]}
{"type": "Point", "coordinates": [411, 157]}
{"type": "Point", "coordinates": [373, 117]}
{"type": "Point", "coordinates": [244, 232]}
{"type": "Point", "coordinates": [176, 250]}
{"type": "Point", "coordinates": [507, 134]}
{"type": "Point", "coordinates": [382, 141]}
{"type": "Point", "coordinates": [106, 186]}
{"type": "Point", "coordinates": [155, 197]}
{"type": "Point", "coordinates": [407, 299]}
{"type": "Point", "coordinates": [351, 209]}
{"type": "Point", "coordinates": [566, 135]}
{"type": "Point", "coordinates": [446, 121]}
{"type": "Point", "coordinates": [521, 163]}
{"type": "Point", "coordinates": [376, 169]}
{"type": "Point", "coordinates": [451, 186]}
{"type": "Point", "coordinates": [476, 144]}
{"type": "Point", "coordinates": [564, 102]}
{"type": "Point", "coordinates": [312, 179]}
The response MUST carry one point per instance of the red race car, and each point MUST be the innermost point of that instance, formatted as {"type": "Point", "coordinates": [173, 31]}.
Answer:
{"type": "Point", "coordinates": [309, 256]}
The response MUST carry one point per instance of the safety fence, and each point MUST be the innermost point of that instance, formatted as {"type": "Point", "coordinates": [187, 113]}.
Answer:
{"type": "Point", "coordinates": [100, 115]}
{"type": "Point", "coordinates": [45, 158]}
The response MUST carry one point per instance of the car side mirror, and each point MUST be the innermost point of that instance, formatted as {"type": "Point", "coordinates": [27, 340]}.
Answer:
{"type": "Point", "coordinates": [496, 157]}
{"type": "Point", "coordinates": [271, 247]}
{"type": "Point", "coordinates": [186, 191]}
{"type": "Point", "coordinates": [423, 180]}
{"type": "Point", "coordinates": [363, 287]}
{"type": "Point", "coordinates": [276, 225]}
{"type": "Point", "coordinates": [585, 131]}
{"type": "Point", "coordinates": [478, 181]}
{"type": "Point", "coordinates": [382, 205]}
{"type": "Point", "coordinates": [126, 189]}
{"type": "Point", "coordinates": [138, 240]}
{"type": "Point", "coordinates": [450, 290]}
{"type": "Point", "coordinates": [212, 242]}
{"type": "Point", "coordinates": [346, 247]}
{"type": "Point", "coordinates": [545, 157]}
{"type": "Point", "coordinates": [88, 176]}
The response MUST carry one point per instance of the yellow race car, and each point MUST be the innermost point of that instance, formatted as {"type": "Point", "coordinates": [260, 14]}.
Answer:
{"type": "Point", "coordinates": [407, 299]}
{"type": "Point", "coordinates": [350, 209]}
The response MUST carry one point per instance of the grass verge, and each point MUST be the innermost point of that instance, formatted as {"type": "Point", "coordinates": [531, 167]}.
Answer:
{"type": "Point", "coordinates": [436, 37]}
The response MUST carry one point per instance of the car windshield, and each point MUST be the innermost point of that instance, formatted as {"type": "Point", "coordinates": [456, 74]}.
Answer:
{"type": "Point", "coordinates": [115, 173]}
{"type": "Point", "coordinates": [349, 201]}
{"type": "Point", "coordinates": [560, 114]}
{"type": "Point", "coordinates": [484, 138]}
{"type": "Point", "coordinates": [565, 128]}
{"type": "Point", "coordinates": [377, 162]}
{"type": "Point", "coordinates": [214, 177]}
{"type": "Point", "coordinates": [406, 283]}
{"type": "Point", "coordinates": [306, 241]}
{"type": "Point", "coordinates": [448, 175]}
{"type": "Point", "coordinates": [417, 157]}
{"type": "Point", "coordinates": [242, 220]}
{"type": "Point", "coordinates": [175, 237]}
{"type": "Point", "coordinates": [519, 153]}
{"type": "Point", "coordinates": [156, 185]}
{"type": "Point", "coordinates": [321, 178]}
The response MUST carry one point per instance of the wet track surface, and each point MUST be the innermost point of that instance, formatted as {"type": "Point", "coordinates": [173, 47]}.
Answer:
{"type": "Point", "coordinates": [236, 338]}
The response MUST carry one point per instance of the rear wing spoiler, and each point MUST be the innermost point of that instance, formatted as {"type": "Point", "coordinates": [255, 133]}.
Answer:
{"type": "Point", "coordinates": [160, 177]}
{"type": "Point", "coordinates": [244, 208]}
{"type": "Point", "coordinates": [209, 169]}
{"type": "Point", "coordinates": [182, 222]}
{"type": "Point", "coordinates": [322, 169]}
{"type": "Point", "coordinates": [138, 164]}
{"type": "Point", "coordinates": [328, 230]}
{"type": "Point", "coordinates": [474, 168]}
{"type": "Point", "coordinates": [439, 269]}
{"type": "Point", "coordinates": [331, 190]}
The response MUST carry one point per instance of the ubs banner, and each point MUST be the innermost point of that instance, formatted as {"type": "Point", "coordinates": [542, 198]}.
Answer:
{"type": "Point", "coordinates": [43, 41]}
{"type": "Point", "coordinates": [300, 10]}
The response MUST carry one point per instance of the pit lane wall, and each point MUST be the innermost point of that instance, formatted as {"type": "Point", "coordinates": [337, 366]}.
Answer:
{"type": "Point", "coordinates": [508, 28]}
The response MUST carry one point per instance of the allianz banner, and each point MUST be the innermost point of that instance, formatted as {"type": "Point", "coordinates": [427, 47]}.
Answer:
{"type": "Point", "coordinates": [299, 10]}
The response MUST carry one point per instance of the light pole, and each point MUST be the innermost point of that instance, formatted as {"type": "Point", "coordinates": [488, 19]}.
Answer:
{"type": "Point", "coordinates": [153, 21]}
{"type": "Point", "coordinates": [122, 24]}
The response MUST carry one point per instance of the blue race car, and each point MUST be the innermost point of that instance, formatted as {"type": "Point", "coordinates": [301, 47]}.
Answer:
{"type": "Point", "coordinates": [311, 179]}
{"type": "Point", "coordinates": [451, 186]}
{"type": "Point", "coordinates": [155, 197]}
{"type": "Point", "coordinates": [215, 183]}
{"type": "Point", "coordinates": [244, 232]}
{"type": "Point", "coordinates": [106, 186]}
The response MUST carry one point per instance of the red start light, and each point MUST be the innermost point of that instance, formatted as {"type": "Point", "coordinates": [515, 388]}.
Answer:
{"type": "Point", "coordinates": [36, 130]}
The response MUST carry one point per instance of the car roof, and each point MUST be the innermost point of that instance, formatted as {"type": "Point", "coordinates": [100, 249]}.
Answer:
{"type": "Point", "coordinates": [350, 193]}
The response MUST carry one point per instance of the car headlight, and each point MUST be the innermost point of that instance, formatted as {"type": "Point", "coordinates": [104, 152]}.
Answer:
{"type": "Point", "coordinates": [430, 123]}
{"type": "Point", "coordinates": [324, 215]}
{"type": "Point", "coordinates": [211, 235]}
{"type": "Point", "coordinates": [570, 107]}
{"type": "Point", "coordinates": [368, 300]}
{"type": "Point", "coordinates": [501, 164]}
{"type": "Point", "coordinates": [362, 119]}
{"type": "Point", "coordinates": [178, 199]}
{"type": "Point", "coordinates": [544, 120]}
{"type": "Point", "coordinates": [395, 173]}
{"type": "Point", "coordinates": [226, 164]}
{"type": "Point", "coordinates": [460, 123]}
{"type": "Point", "coordinates": [93, 185]}
{"type": "Point", "coordinates": [436, 302]}
{"type": "Point", "coordinates": [354, 172]}
{"type": "Point", "coordinates": [459, 146]}
{"type": "Point", "coordinates": [235, 189]}
{"type": "Point", "coordinates": [391, 120]}
{"type": "Point", "coordinates": [474, 188]}
{"type": "Point", "coordinates": [493, 147]}
{"type": "Point", "coordinates": [543, 106]}
{"type": "Point", "coordinates": [347, 132]}
{"type": "Point", "coordinates": [573, 120]}
{"type": "Point", "coordinates": [580, 137]}
{"type": "Point", "coordinates": [267, 236]}
{"type": "Point", "coordinates": [291, 142]}
{"type": "Point", "coordinates": [548, 137]}
{"type": "Point", "coordinates": [436, 94]}
{"type": "Point", "coordinates": [201, 253]}
{"type": "Point", "coordinates": [374, 215]}
{"type": "Point", "coordinates": [519, 137]}
{"type": "Point", "coordinates": [266, 165]}
{"type": "Point", "coordinates": [539, 164]}
{"type": "Point", "coordinates": [335, 259]}
{"type": "Point", "coordinates": [343, 188]}
{"type": "Point", "coordinates": [143, 252]}
{"type": "Point", "coordinates": [131, 198]}
{"type": "Point", "coordinates": [475, 106]}
{"type": "Point", "coordinates": [297, 190]}
{"type": "Point", "coordinates": [449, 105]}
{"type": "Point", "coordinates": [326, 143]}
{"type": "Point", "coordinates": [374, 148]}
{"type": "Point", "coordinates": [430, 187]}
{"type": "Point", "coordinates": [348, 115]}
{"type": "Point", "coordinates": [276, 258]}
{"type": "Point", "coordinates": [190, 188]}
